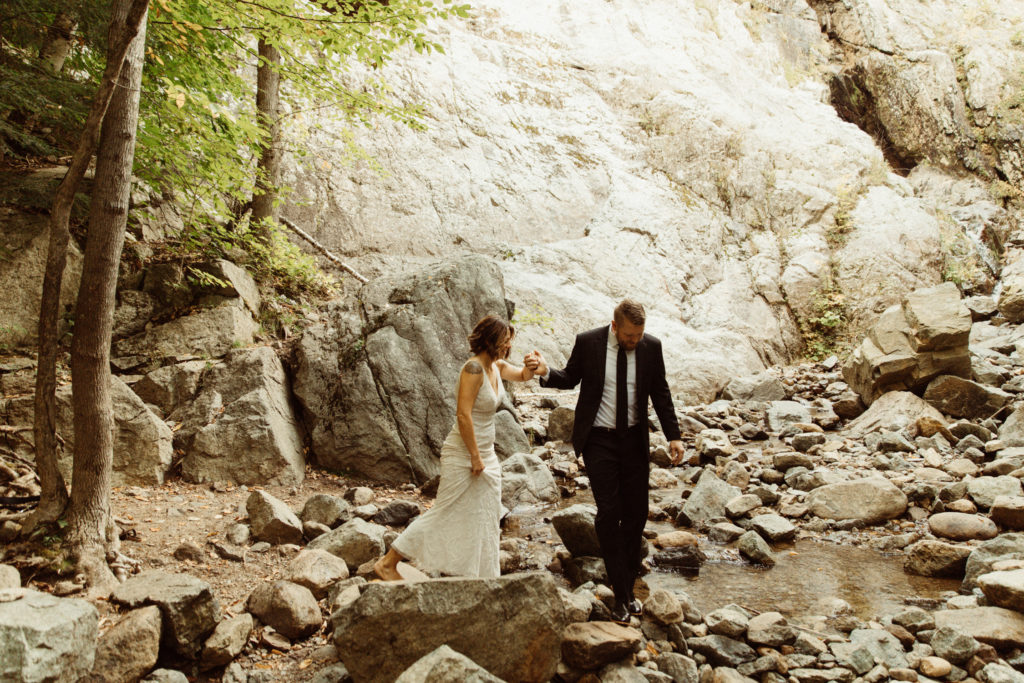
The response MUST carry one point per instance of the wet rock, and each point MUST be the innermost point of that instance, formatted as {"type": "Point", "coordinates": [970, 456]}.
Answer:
{"type": "Point", "coordinates": [288, 607]}
{"type": "Point", "coordinates": [356, 542]}
{"type": "Point", "coordinates": [525, 478]}
{"type": "Point", "coordinates": [560, 424]}
{"type": "Point", "coordinates": [1008, 512]}
{"type": "Point", "coordinates": [958, 526]}
{"type": "Point", "coordinates": [521, 611]}
{"type": "Point", "coordinates": [741, 505]}
{"type": "Point", "coordinates": [675, 539]}
{"type": "Point", "coordinates": [594, 644]}
{"type": "Point", "coordinates": [1004, 588]}
{"type": "Point", "coordinates": [724, 532]}
{"type": "Point", "coordinates": [914, 619]}
{"type": "Point", "coordinates": [985, 490]}
{"type": "Point", "coordinates": [317, 570]}
{"type": "Point", "coordinates": [937, 559]}
{"type": "Point", "coordinates": [189, 608]}
{"type": "Point", "coordinates": [708, 498]}
{"type": "Point", "coordinates": [575, 526]}
{"type": "Point", "coordinates": [683, 558]}
{"type": "Point", "coordinates": [271, 519]}
{"type": "Point", "coordinates": [443, 665]}
{"type": "Point", "coordinates": [755, 549]}
{"type": "Point", "coordinates": [996, 626]}
{"type": "Point", "coordinates": [961, 397]}
{"type": "Point", "coordinates": [45, 638]}
{"type": "Point", "coordinates": [227, 641]}
{"type": "Point", "coordinates": [869, 500]}
{"type": "Point", "coordinates": [130, 648]}
{"type": "Point", "coordinates": [664, 608]}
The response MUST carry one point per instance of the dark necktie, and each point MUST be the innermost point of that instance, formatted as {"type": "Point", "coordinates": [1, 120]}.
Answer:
{"type": "Point", "coordinates": [621, 400]}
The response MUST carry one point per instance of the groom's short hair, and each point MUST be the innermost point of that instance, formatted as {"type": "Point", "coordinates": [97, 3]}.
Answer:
{"type": "Point", "coordinates": [630, 310]}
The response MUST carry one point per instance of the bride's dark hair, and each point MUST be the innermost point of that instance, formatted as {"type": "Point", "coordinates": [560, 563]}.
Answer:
{"type": "Point", "coordinates": [488, 335]}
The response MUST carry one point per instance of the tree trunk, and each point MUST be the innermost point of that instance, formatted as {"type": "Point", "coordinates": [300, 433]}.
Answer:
{"type": "Point", "coordinates": [54, 495]}
{"type": "Point", "coordinates": [92, 533]}
{"type": "Point", "coordinates": [57, 43]}
{"type": "Point", "coordinates": [268, 170]}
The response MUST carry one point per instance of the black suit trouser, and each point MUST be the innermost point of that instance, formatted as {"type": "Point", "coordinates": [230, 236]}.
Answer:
{"type": "Point", "coordinates": [618, 471]}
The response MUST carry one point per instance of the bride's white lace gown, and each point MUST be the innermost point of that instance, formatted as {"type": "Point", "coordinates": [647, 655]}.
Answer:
{"type": "Point", "coordinates": [460, 534]}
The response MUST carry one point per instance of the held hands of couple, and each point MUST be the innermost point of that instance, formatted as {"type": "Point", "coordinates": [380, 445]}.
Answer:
{"type": "Point", "coordinates": [534, 362]}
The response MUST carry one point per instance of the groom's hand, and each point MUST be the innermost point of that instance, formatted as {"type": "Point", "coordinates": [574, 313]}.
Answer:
{"type": "Point", "coordinates": [676, 451]}
{"type": "Point", "coordinates": [535, 362]}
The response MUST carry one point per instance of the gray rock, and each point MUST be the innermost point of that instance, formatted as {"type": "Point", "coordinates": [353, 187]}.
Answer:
{"type": "Point", "coordinates": [130, 648]}
{"type": "Point", "coordinates": [722, 650]}
{"type": "Point", "coordinates": [804, 442]}
{"type": "Point", "coordinates": [1008, 512]}
{"type": "Point", "coordinates": [626, 672]}
{"type": "Point", "coordinates": [713, 443]}
{"type": "Point", "coordinates": [594, 644]}
{"type": "Point", "coordinates": [953, 645]}
{"type": "Point", "coordinates": [985, 490]}
{"type": "Point", "coordinates": [1011, 433]}
{"type": "Point", "coordinates": [252, 437]}
{"type": "Point", "coordinates": [326, 509]}
{"type": "Point", "coordinates": [575, 526]}
{"type": "Point", "coordinates": [781, 414]}
{"type": "Point", "coordinates": [869, 500]}
{"type": "Point", "coordinates": [45, 638]}
{"type": "Point", "coordinates": [230, 281]}
{"type": "Point", "coordinates": [356, 541]}
{"type": "Point", "coordinates": [521, 611]}
{"type": "Point", "coordinates": [770, 629]}
{"type": "Point", "coordinates": [755, 549]}
{"type": "Point", "coordinates": [560, 423]}
{"type": "Point", "coordinates": [1004, 589]}
{"type": "Point", "coordinates": [728, 621]}
{"type": "Point", "coordinates": [993, 672]}
{"type": "Point", "coordinates": [664, 607]}
{"type": "Point", "coordinates": [168, 676]}
{"type": "Point", "coordinates": [317, 570]}
{"type": "Point", "coordinates": [400, 512]}
{"type": "Point", "coordinates": [741, 505]}
{"type": "Point", "coordinates": [209, 332]}
{"type": "Point", "coordinates": [332, 673]}
{"type": "Point", "coordinates": [227, 641]}
{"type": "Point", "coordinates": [377, 384]}
{"type": "Point", "coordinates": [171, 386]}
{"type": "Point", "coordinates": [759, 387]}
{"type": "Point", "coordinates": [959, 526]}
{"type": "Point", "coordinates": [1008, 546]}
{"type": "Point", "coordinates": [525, 478]}
{"type": "Point", "coordinates": [681, 668]}
{"type": "Point", "coordinates": [996, 626]}
{"type": "Point", "coordinates": [708, 498]}
{"type": "Point", "coordinates": [9, 577]}
{"type": "Point", "coordinates": [189, 608]}
{"type": "Point", "coordinates": [885, 647]}
{"type": "Point", "coordinates": [724, 532]}
{"type": "Point", "coordinates": [288, 607]}
{"type": "Point", "coordinates": [445, 665]}
{"type": "Point", "coordinates": [271, 519]}
{"type": "Point", "coordinates": [961, 397]}
{"type": "Point", "coordinates": [892, 412]}
{"type": "Point", "coordinates": [914, 619]}
{"type": "Point", "coordinates": [773, 527]}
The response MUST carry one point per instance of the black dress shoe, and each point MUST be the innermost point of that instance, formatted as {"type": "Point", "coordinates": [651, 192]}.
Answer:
{"type": "Point", "coordinates": [620, 614]}
{"type": "Point", "coordinates": [635, 607]}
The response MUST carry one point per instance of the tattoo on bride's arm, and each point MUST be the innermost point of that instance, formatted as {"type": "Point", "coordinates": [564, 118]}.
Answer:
{"type": "Point", "coordinates": [473, 367]}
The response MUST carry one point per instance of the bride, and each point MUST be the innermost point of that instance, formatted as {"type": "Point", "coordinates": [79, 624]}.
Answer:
{"type": "Point", "coordinates": [459, 535]}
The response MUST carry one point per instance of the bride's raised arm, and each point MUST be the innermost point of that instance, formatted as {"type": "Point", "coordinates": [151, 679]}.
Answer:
{"type": "Point", "coordinates": [513, 372]}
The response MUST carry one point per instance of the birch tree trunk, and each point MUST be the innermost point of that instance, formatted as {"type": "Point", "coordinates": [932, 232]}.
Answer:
{"type": "Point", "coordinates": [92, 533]}
{"type": "Point", "coordinates": [57, 43]}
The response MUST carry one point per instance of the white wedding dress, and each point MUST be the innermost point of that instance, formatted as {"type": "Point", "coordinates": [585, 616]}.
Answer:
{"type": "Point", "coordinates": [459, 535]}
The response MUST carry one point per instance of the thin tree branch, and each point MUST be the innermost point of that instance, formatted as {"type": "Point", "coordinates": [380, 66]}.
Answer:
{"type": "Point", "coordinates": [323, 250]}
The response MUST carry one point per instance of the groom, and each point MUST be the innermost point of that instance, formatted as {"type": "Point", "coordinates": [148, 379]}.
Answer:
{"type": "Point", "coordinates": [618, 368]}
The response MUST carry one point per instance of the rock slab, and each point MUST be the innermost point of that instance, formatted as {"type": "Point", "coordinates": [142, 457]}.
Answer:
{"type": "Point", "coordinates": [44, 638]}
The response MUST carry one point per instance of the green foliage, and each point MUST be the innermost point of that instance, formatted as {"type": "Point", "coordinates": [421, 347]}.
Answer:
{"type": "Point", "coordinates": [823, 331]}
{"type": "Point", "coordinates": [534, 315]}
{"type": "Point", "coordinates": [838, 234]}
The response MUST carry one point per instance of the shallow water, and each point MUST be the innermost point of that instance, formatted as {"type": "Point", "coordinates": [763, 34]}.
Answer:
{"type": "Point", "coordinates": [807, 577]}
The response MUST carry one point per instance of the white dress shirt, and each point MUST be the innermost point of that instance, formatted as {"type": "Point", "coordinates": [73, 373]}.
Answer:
{"type": "Point", "coordinates": [606, 410]}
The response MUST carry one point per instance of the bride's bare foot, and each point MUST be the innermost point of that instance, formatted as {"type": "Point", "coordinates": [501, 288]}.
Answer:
{"type": "Point", "coordinates": [386, 571]}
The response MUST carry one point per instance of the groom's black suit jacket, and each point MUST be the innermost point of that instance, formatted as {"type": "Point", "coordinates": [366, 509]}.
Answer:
{"type": "Point", "coordinates": [586, 367]}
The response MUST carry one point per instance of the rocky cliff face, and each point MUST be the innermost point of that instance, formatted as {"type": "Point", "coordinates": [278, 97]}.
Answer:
{"type": "Point", "coordinates": [729, 164]}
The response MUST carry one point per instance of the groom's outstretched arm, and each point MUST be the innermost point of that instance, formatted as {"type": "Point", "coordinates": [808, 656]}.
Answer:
{"type": "Point", "coordinates": [571, 375]}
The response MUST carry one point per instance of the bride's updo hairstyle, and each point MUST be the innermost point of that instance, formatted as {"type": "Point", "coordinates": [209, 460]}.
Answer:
{"type": "Point", "coordinates": [489, 334]}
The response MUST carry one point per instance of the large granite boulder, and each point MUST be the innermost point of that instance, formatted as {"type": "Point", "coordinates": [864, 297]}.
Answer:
{"type": "Point", "coordinates": [961, 397]}
{"type": "Point", "coordinates": [211, 331]}
{"type": "Point", "coordinates": [445, 665]}
{"type": "Point", "coordinates": [891, 413]}
{"type": "Point", "coordinates": [189, 608]}
{"type": "Point", "coordinates": [24, 241]}
{"type": "Point", "coordinates": [378, 385]}
{"type": "Point", "coordinates": [526, 479]}
{"type": "Point", "coordinates": [143, 444]}
{"type": "Point", "coordinates": [45, 639]}
{"type": "Point", "coordinates": [240, 427]}
{"type": "Point", "coordinates": [869, 500]}
{"type": "Point", "coordinates": [997, 626]}
{"type": "Point", "coordinates": [913, 343]}
{"type": "Point", "coordinates": [708, 498]}
{"type": "Point", "coordinates": [129, 650]}
{"type": "Point", "coordinates": [521, 612]}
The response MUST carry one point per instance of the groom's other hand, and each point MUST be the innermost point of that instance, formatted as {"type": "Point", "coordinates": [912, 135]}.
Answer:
{"type": "Point", "coordinates": [676, 451]}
